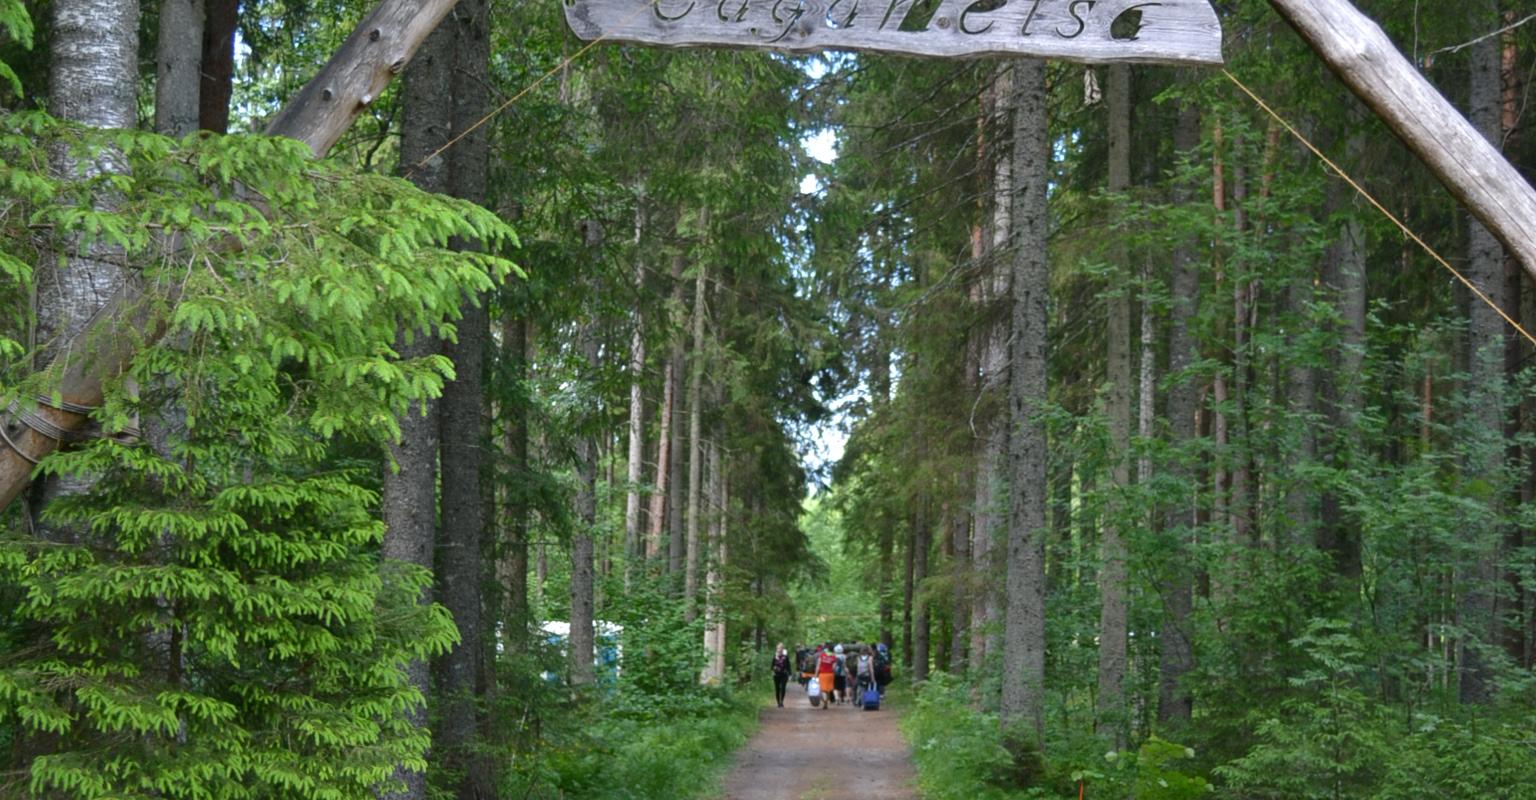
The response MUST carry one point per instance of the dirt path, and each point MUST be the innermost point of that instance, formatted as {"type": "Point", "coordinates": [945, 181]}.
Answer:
{"type": "Point", "coordinates": [837, 753]}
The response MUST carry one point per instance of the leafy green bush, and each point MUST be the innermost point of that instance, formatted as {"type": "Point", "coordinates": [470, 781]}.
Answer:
{"type": "Point", "coordinates": [217, 622]}
{"type": "Point", "coordinates": [958, 751]}
{"type": "Point", "coordinates": [600, 755]}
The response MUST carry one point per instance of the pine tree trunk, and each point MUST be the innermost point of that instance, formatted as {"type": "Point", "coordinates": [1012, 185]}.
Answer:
{"type": "Point", "coordinates": [714, 615]}
{"type": "Point", "coordinates": [1176, 654]}
{"type": "Point", "coordinates": [993, 379]}
{"type": "Point", "coordinates": [1345, 274]}
{"type": "Point", "coordinates": [887, 558]}
{"type": "Point", "coordinates": [1485, 359]}
{"type": "Point", "coordinates": [409, 498]}
{"type": "Point", "coordinates": [1301, 389]}
{"type": "Point", "coordinates": [675, 483]}
{"type": "Point", "coordinates": [1023, 705]}
{"type": "Point", "coordinates": [1113, 605]}
{"type": "Point", "coordinates": [634, 546]}
{"type": "Point", "coordinates": [909, 586]}
{"type": "Point", "coordinates": [695, 448]}
{"type": "Point", "coordinates": [922, 542]}
{"type": "Point", "coordinates": [580, 649]}
{"type": "Point", "coordinates": [512, 571]}
{"type": "Point", "coordinates": [465, 431]}
{"type": "Point", "coordinates": [178, 58]}
{"type": "Point", "coordinates": [960, 607]}
{"type": "Point", "coordinates": [662, 504]}
{"type": "Point", "coordinates": [217, 73]}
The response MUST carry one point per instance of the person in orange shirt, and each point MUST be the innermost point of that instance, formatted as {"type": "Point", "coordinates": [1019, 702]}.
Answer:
{"type": "Point", "coordinates": [826, 673]}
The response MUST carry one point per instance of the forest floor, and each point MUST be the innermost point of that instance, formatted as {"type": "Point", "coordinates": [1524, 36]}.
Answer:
{"type": "Point", "coordinates": [836, 753]}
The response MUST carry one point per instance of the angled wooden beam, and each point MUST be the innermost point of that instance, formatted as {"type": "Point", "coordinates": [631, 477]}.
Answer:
{"type": "Point", "coordinates": [1471, 167]}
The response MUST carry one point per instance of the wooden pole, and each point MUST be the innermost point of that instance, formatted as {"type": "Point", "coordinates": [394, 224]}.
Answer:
{"type": "Point", "coordinates": [1471, 167]}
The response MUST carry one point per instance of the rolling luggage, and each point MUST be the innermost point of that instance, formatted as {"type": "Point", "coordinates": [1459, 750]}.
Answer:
{"type": "Point", "coordinates": [872, 700]}
{"type": "Point", "coordinates": [813, 690]}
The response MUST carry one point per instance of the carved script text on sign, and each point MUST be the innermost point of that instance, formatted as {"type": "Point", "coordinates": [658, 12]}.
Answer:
{"type": "Point", "coordinates": [1163, 31]}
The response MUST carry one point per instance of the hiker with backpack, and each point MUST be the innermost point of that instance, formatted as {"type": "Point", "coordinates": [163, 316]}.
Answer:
{"type": "Point", "coordinates": [781, 669]}
{"type": "Point", "coordinates": [863, 669]}
{"type": "Point", "coordinates": [882, 667]}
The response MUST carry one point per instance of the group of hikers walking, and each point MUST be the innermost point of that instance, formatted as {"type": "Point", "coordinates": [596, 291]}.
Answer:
{"type": "Point", "coordinates": [834, 674]}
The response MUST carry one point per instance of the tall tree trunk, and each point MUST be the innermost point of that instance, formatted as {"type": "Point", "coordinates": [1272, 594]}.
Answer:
{"type": "Point", "coordinates": [93, 80]}
{"type": "Point", "coordinates": [675, 483]}
{"type": "Point", "coordinates": [887, 567]}
{"type": "Point", "coordinates": [1176, 654]}
{"type": "Point", "coordinates": [1514, 600]}
{"type": "Point", "coordinates": [178, 58]}
{"type": "Point", "coordinates": [513, 567]}
{"type": "Point", "coordinates": [1221, 513]}
{"type": "Point", "coordinates": [993, 381]}
{"type": "Point", "coordinates": [216, 76]}
{"type": "Point", "coordinates": [1485, 359]}
{"type": "Point", "coordinates": [580, 643]}
{"type": "Point", "coordinates": [661, 503]}
{"type": "Point", "coordinates": [960, 607]}
{"type": "Point", "coordinates": [695, 447]}
{"type": "Point", "coordinates": [1241, 501]}
{"type": "Point", "coordinates": [1023, 702]}
{"type": "Point", "coordinates": [1112, 571]}
{"type": "Point", "coordinates": [409, 499]}
{"type": "Point", "coordinates": [1345, 274]}
{"type": "Point", "coordinates": [922, 542]}
{"type": "Point", "coordinates": [465, 432]}
{"type": "Point", "coordinates": [909, 585]}
{"type": "Point", "coordinates": [1301, 389]}
{"type": "Point", "coordinates": [634, 546]}
{"type": "Point", "coordinates": [714, 613]}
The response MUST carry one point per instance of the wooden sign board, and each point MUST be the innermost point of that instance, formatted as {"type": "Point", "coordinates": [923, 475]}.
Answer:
{"type": "Point", "coordinates": [1095, 31]}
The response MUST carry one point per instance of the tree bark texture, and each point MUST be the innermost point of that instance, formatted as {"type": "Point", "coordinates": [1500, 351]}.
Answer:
{"type": "Point", "coordinates": [1176, 653]}
{"type": "Point", "coordinates": [1366, 61]}
{"type": "Point", "coordinates": [465, 432]}
{"type": "Point", "coordinates": [409, 498]}
{"type": "Point", "coordinates": [92, 80]}
{"type": "Point", "coordinates": [1345, 275]}
{"type": "Point", "coordinates": [960, 604]}
{"type": "Point", "coordinates": [922, 542]}
{"type": "Point", "coordinates": [216, 76]}
{"type": "Point", "coordinates": [714, 613]}
{"type": "Point", "coordinates": [1485, 359]}
{"type": "Point", "coordinates": [909, 586]}
{"type": "Point", "coordinates": [1023, 701]}
{"type": "Point", "coordinates": [662, 504]}
{"type": "Point", "coordinates": [579, 645]}
{"type": "Point", "coordinates": [81, 36]}
{"type": "Point", "coordinates": [513, 566]}
{"type": "Point", "coordinates": [178, 59]}
{"type": "Point", "coordinates": [1112, 586]}
{"type": "Point", "coordinates": [695, 448]}
{"type": "Point", "coordinates": [985, 613]}
{"type": "Point", "coordinates": [635, 546]}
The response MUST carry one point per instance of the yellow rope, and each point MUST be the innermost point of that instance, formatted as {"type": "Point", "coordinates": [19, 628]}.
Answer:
{"type": "Point", "coordinates": [644, 7]}
{"type": "Point", "coordinates": [1379, 207]}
